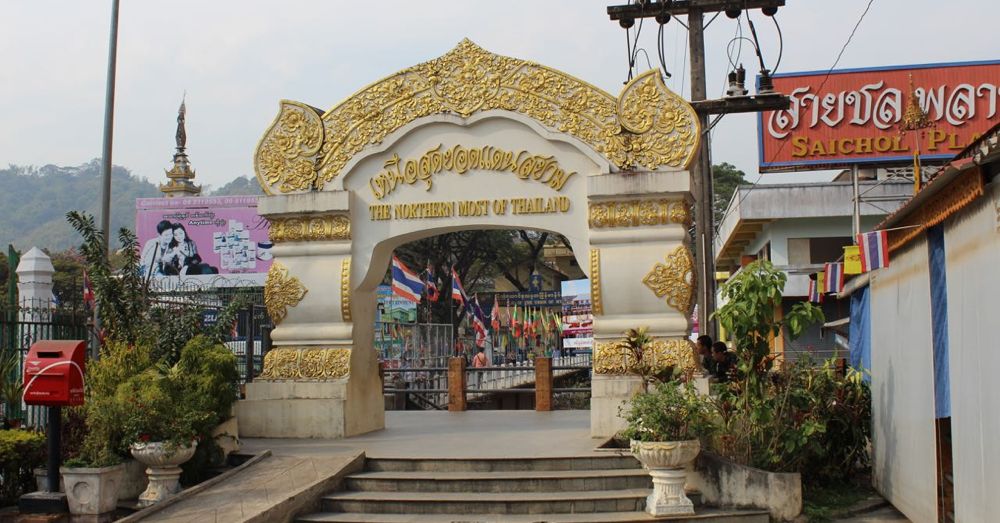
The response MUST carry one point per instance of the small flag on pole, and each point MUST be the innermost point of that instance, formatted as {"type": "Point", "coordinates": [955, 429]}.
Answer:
{"type": "Point", "coordinates": [816, 288]}
{"type": "Point", "coordinates": [852, 259]}
{"type": "Point", "coordinates": [833, 277]}
{"type": "Point", "coordinates": [432, 289]}
{"type": "Point", "coordinates": [88, 292]}
{"type": "Point", "coordinates": [405, 283]}
{"type": "Point", "coordinates": [495, 315]}
{"type": "Point", "coordinates": [874, 248]}
{"type": "Point", "coordinates": [457, 292]}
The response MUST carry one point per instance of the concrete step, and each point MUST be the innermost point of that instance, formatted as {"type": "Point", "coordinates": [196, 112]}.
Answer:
{"type": "Point", "coordinates": [596, 462]}
{"type": "Point", "coordinates": [703, 516]}
{"type": "Point", "coordinates": [503, 481]}
{"type": "Point", "coordinates": [626, 500]}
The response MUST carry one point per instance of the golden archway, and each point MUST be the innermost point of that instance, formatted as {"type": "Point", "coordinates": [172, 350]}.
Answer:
{"type": "Point", "coordinates": [647, 127]}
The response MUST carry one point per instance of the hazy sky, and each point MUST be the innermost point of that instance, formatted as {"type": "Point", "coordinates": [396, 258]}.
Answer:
{"type": "Point", "coordinates": [237, 58]}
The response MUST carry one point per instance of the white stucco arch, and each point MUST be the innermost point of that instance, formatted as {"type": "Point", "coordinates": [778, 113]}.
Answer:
{"type": "Point", "coordinates": [560, 156]}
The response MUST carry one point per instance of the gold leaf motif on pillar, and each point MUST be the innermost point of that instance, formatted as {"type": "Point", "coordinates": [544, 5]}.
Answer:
{"type": "Point", "coordinates": [636, 213]}
{"type": "Point", "coordinates": [306, 363]}
{"type": "Point", "coordinates": [310, 228]}
{"type": "Point", "coordinates": [647, 126]}
{"type": "Point", "coordinates": [596, 304]}
{"type": "Point", "coordinates": [345, 289]}
{"type": "Point", "coordinates": [615, 357]}
{"type": "Point", "coordinates": [281, 290]}
{"type": "Point", "coordinates": [674, 280]}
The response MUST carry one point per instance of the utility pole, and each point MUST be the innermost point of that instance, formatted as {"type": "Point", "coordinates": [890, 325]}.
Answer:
{"type": "Point", "coordinates": [701, 181]}
{"type": "Point", "coordinates": [701, 167]}
{"type": "Point", "coordinates": [109, 127]}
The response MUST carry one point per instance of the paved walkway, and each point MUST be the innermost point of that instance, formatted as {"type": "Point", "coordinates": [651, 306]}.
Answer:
{"type": "Point", "coordinates": [469, 434]}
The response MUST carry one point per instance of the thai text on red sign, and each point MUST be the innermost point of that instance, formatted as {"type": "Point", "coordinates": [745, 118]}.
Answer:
{"type": "Point", "coordinates": [855, 116]}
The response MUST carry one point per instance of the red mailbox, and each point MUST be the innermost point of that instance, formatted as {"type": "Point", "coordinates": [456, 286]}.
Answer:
{"type": "Point", "coordinates": [53, 373]}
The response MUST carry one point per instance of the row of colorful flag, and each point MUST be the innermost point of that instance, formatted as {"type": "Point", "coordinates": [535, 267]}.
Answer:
{"type": "Point", "coordinates": [870, 253]}
{"type": "Point", "coordinates": [523, 322]}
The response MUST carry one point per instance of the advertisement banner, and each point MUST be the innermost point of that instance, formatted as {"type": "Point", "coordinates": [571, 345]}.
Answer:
{"type": "Point", "coordinates": [202, 242]}
{"type": "Point", "coordinates": [853, 116]}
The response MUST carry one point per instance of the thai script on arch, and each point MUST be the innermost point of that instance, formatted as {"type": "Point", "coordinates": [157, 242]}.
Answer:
{"type": "Point", "coordinates": [461, 160]}
{"type": "Point", "coordinates": [881, 106]}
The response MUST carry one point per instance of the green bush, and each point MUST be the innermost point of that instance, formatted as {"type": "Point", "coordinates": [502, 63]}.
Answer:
{"type": "Point", "coordinates": [670, 412]}
{"type": "Point", "coordinates": [21, 452]}
{"type": "Point", "coordinates": [807, 419]}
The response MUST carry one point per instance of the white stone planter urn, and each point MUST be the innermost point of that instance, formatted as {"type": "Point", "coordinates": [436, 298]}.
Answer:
{"type": "Point", "coordinates": [164, 471]}
{"type": "Point", "coordinates": [666, 461]}
{"type": "Point", "coordinates": [92, 491]}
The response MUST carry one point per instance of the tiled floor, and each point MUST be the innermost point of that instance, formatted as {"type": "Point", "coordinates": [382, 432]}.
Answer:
{"type": "Point", "coordinates": [470, 434]}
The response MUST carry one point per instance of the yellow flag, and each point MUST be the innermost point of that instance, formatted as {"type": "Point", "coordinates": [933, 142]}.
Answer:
{"type": "Point", "coordinates": [852, 259]}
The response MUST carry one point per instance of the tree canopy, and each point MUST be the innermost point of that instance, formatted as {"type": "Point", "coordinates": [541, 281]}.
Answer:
{"type": "Point", "coordinates": [725, 179]}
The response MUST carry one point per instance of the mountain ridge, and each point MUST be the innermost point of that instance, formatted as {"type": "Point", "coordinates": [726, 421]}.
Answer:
{"type": "Point", "coordinates": [35, 201]}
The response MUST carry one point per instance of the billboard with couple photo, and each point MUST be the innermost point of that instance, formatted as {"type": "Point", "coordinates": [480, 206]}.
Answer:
{"type": "Point", "coordinates": [202, 241]}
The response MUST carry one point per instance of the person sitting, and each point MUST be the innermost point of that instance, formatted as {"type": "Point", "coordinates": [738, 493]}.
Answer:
{"type": "Point", "coordinates": [705, 354]}
{"type": "Point", "coordinates": [724, 363]}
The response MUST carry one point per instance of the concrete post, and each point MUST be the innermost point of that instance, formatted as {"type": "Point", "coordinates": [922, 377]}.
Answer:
{"type": "Point", "coordinates": [456, 384]}
{"type": "Point", "coordinates": [34, 286]}
{"type": "Point", "coordinates": [543, 384]}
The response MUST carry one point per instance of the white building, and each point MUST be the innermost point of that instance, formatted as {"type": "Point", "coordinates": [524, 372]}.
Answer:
{"type": "Point", "coordinates": [799, 227]}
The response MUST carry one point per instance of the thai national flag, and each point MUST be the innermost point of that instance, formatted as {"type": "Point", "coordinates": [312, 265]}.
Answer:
{"type": "Point", "coordinates": [874, 250]}
{"type": "Point", "coordinates": [834, 277]}
{"type": "Point", "coordinates": [432, 288]}
{"type": "Point", "coordinates": [457, 292]}
{"type": "Point", "coordinates": [405, 283]}
{"type": "Point", "coordinates": [815, 294]}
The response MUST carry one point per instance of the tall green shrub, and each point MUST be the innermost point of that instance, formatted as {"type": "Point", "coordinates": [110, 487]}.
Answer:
{"type": "Point", "coordinates": [21, 452]}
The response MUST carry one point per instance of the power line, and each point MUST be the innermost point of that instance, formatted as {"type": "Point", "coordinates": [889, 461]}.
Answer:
{"type": "Point", "coordinates": [827, 76]}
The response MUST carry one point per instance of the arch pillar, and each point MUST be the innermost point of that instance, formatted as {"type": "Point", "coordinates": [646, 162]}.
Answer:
{"type": "Point", "coordinates": [318, 381]}
{"type": "Point", "coordinates": [642, 275]}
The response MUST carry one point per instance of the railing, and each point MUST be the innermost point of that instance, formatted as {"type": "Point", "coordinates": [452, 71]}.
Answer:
{"type": "Point", "coordinates": [457, 385]}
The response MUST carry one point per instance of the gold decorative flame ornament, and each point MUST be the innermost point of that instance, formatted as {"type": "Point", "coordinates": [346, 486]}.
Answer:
{"type": "Point", "coordinates": [306, 363]}
{"type": "Point", "coordinates": [647, 126]}
{"type": "Point", "coordinates": [675, 280]}
{"type": "Point", "coordinates": [281, 290]}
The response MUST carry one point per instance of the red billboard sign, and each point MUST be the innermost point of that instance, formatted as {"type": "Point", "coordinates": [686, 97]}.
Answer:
{"type": "Point", "coordinates": [853, 116]}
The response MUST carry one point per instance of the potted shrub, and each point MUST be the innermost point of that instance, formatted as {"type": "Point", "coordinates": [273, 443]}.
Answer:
{"type": "Point", "coordinates": [93, 478]}
{"type": "Point", "coordinates": [161, 429]}
{"type": "Point", "coordinates": [664, 428]}
{"type": "Point", "coordinates": [171, 408]}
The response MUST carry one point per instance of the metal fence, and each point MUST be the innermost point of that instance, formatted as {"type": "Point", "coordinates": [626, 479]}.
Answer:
{"type": "Point", "coordinates": [20, 327]}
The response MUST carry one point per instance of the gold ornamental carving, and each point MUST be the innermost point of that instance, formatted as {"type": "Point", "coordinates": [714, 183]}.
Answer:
{"type": "Point", "coordinates": [345, 289]}
{"type": "Point", "coordinates": [596, 305]}
{"type": "Point", "coordinates": [306, 363]}
{"type": "Point", "coordinates": [647, 126]}
{"type": "Point", "coordinates": [327, 227]}
{"type": "Point", "coordinates": [281, 290]}
{"type": "Point", "coordinates": [674, 280]}
{"type": "Point", "coordinates": [636, 213]}
{"type": "Point", "coordinates": [286, 155]}
{"type": "Point", "coordinates": [615, 357]}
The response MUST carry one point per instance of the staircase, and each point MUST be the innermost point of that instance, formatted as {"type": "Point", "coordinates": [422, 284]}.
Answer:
{"type": "Point", "coordinates": [601, 488]}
